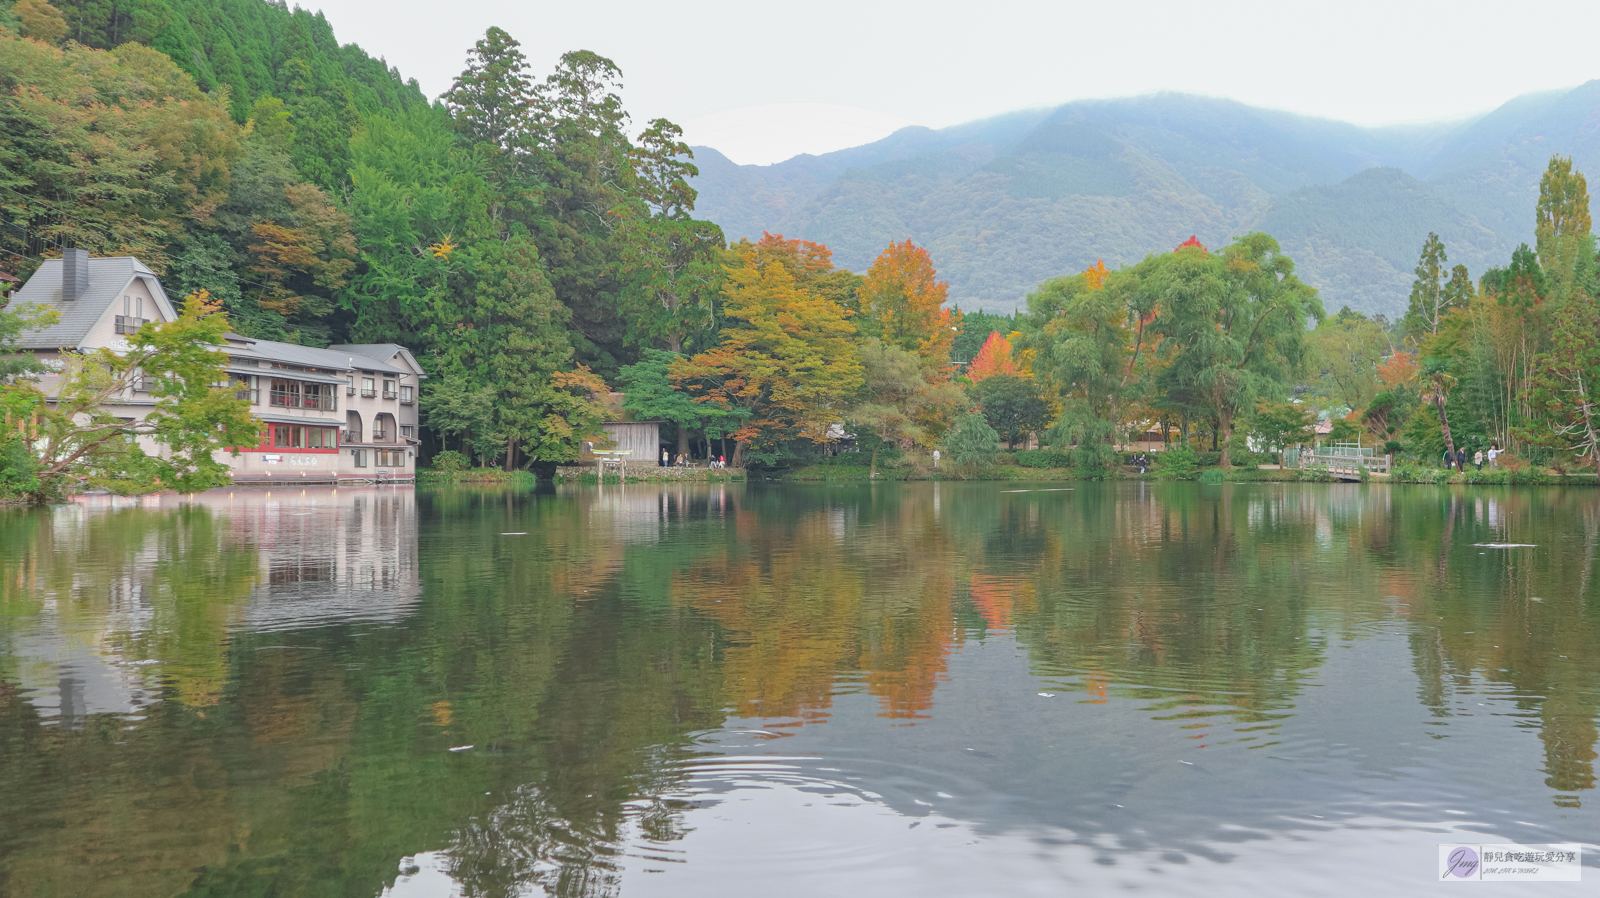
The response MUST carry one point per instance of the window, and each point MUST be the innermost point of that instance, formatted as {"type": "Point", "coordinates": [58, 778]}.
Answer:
{"type": "Point", "coordinates": [408, 431]}
{"type": "Point", "coordinates": [391, 458]}
{"type": "Point", "coordinates": [359, 456]}
{"type": "Point", "coordinates": [294, 436]}
{"type": "Point", "coordinates": [406, 395]}
{"type": "Point", "coordinates": [285, 393]}
{"type": "Point", "coordinates": [388, 389]}
{"type": "Point", "coordinates": [350, 385]}
{"type": "Point", "coordinates": [367, 388]}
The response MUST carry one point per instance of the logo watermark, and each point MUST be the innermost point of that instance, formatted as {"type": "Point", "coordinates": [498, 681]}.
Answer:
{"type": "Point", "coordinates": [1510, 863]}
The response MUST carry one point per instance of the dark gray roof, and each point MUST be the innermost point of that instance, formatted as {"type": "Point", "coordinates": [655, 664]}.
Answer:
{"type": "Point", "coordinates": [109, 276]}
{"type": "Point", "coordinates": [383, 352]}
{"type": "Point", "coordinates": [337, 358]}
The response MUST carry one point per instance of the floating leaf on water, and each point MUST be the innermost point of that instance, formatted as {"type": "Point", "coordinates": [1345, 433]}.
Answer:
{"type": "Point", "coordinates": [1506, 545]}
{"type": "Point", "coordinates": [518, 533]}
{"type": "Point", "coordinates": [460, 748]}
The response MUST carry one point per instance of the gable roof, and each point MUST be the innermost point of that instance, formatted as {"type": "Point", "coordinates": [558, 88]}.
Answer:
{"type": "Point", "coordinates": [109, 276]}
{"type": "Point", "coordinates": [336, 358]}
{"type": "Point", "coordinates": [383, 352]}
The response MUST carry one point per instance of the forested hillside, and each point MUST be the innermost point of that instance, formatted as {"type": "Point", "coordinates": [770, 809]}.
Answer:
{"type": "Point", "coordinates": [1006, 203]}
{"type": "Point", "coordinates": [523, 236]}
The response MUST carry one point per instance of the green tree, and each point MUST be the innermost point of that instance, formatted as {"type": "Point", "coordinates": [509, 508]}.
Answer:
{"type": "Point", "coordinates": [670, 264]}
{"type": "Point", "coordinates": [76, 434]}
{"type": "Point", "coordinates": [1233, 325]}
{"type": "Point", "coordinates": [1012, 406]}
{"type": "Point", "coordinates": [1429, 302]}
{"type": "Point", "coordinates": [1565, 387]}
{"type": "Point", "coordinates": [1562, 222]}
{"type": "Point", "coordinates": [901, 393]}
{"type": "Point", "coordinates": [1279, 425]}
{"type": "Point", "coordinates": [1345, 350]}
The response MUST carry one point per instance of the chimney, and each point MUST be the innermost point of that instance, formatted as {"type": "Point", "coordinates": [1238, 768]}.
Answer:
{"type": "Point", "coordinates": [74, 273]}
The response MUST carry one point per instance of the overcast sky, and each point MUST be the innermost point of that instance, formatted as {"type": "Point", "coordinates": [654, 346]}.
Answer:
{"type": "Point", "coordinates": [764, 81]}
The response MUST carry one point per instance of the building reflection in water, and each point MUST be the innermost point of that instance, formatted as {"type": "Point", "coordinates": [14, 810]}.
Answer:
{"type": "Point", "coordinates": [135, 595]}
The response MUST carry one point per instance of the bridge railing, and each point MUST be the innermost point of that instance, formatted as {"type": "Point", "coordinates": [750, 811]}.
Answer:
{"type": "Point", "coordinates": [1339, 459]}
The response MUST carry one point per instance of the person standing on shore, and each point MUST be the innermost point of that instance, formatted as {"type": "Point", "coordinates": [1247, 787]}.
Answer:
{"type": "Point", "coordinates": [1449, 460]}
{"type": "Point", "coordinates": [936, 459]}
{"type": "Point", "coordinates": [1477, 459]}
{"type": "Point", "coordinates": [1494, 452]}
{"type": "Point", "coordinates": [663, 456]}
{"type": "Point", "coordinates": [1461, 459]}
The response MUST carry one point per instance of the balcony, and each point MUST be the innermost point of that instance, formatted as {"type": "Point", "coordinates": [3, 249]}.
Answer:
{"type": "Point", "coordinates": [143, 384]}
{"type": "Point", "coordinates": [407, 400]}
{"type": "Point", "coordinates": [368, 392]}
{"type": "Point", "coordinates": [127, 324]}
{"type": "Point", "coordinates": [389, 394]}
{"type": "Point", "coordinates": [291, 399]}
{"type": "Point", "coordinates": [349, 436]}
{"type": "Point", "coordinates": [254, 396]}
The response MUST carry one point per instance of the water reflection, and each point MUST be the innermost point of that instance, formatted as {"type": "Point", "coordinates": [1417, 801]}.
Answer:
{"type": "Point", "coordinates": [212, 693]}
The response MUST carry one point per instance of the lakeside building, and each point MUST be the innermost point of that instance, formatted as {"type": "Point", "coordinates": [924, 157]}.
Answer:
{"type": "Point", "coordinates": [348, 412]}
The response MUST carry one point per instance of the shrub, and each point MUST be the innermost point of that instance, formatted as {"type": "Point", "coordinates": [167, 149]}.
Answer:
{"type": "Point", "coordinates": [973, 442]}
{"type": "Point", "coordinates": [450, 462]}
{"type": "Point", "coordinates": [1176, 464]}
{"type": "Point", "coordinates": [1042, 458]}
{"type": "Point", "coordinates": [1211, 475]}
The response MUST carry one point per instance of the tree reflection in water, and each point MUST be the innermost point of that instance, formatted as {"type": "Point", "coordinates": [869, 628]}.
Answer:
{"type": "Point", "coordinates": [248, 694]}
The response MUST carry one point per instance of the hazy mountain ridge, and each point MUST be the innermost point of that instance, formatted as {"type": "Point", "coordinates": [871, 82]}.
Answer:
{"type": "Point", "coordinates": [1004, 203]}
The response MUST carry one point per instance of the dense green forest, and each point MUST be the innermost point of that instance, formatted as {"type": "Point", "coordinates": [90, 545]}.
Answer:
{"type": "Point", "coordinates": [537, 248]}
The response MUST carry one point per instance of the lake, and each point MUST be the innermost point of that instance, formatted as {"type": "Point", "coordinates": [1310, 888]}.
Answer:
{"type": "Point", "coordinates": [899, 689]}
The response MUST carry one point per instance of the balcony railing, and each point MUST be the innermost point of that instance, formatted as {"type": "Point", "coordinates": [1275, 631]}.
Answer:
{"type": "Point", "coordinates": [290, 399]}
{"type": "Point", "coordinates": [350, 390]}
{"type": "Point", "coordinates": [143, 384]}
{"type": "Point", "coordinates": [349, 436]}
{"type": "Point", "coordinates": [368, 392]}
{"type": "Point", "coordinates": [389, 394]}
{"type": "Point", "coordinates": [407, 400]}
{"type": "Point", "coordinates": [253, 395]}
{"type": "Point", "coordinates": [127, 324]}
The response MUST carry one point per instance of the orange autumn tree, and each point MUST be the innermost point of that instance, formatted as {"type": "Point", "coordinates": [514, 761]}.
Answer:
{"type": "Point", "coordinates": [994, 358]}
{"type": "Point", "coordinates": [787, 365]}
{"type": "Point", "coordinates": [902, 303]}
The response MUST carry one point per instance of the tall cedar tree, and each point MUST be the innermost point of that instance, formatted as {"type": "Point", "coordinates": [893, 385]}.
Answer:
{"type": "Point", "coordinates": [1561, 223]}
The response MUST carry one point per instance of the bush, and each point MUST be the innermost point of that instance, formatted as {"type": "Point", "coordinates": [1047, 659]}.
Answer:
{"type": "Point", "coordinates": [1208, 459]}
{"type": "Point", "coordinates": [450, 462]}
{"type": "Point", "coordinates": [1042, 458]}
{"type": "Point", "coordinates": [1176, 464]}
{"type": "Point", "coordinates": [18, 467]}
{"type": "Point", "coordinates": [1211, 475]}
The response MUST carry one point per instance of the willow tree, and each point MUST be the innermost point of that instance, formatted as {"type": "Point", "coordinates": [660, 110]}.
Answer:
{"type": "Point", "coordinates": [1233, 325]}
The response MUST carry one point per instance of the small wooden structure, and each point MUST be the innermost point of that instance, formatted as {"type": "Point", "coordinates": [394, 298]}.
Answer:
{"type": "Point", "coordinates": [611, 459]}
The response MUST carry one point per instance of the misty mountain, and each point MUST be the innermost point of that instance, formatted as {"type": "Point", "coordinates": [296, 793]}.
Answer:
{"type": "Point", "coordinates": [1007, 202]}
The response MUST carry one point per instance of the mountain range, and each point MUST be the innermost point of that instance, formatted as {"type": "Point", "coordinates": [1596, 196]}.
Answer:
{"type": "Point", "coordinates": [1007, 202]}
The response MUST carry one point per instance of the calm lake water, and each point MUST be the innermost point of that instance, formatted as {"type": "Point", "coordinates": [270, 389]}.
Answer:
{"type": "Point", "coordinates": [951, 689]}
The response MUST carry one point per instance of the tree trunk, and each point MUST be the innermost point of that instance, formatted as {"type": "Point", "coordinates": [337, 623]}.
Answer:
{"type": "Point", "coordinates": [738, 453]}
{"type": "Point", "coordinates": [683, 441]}
{"type": "Point", "coordinates": [1225, 432]}
{"type": "Point", "coordinates": [1444, 423]}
